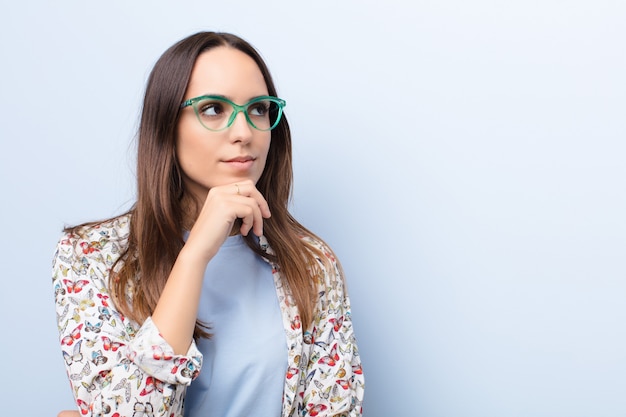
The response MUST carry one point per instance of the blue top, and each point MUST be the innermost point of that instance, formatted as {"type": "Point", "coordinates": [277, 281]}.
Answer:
{"type": "Point", "coordinates": [245, 361]}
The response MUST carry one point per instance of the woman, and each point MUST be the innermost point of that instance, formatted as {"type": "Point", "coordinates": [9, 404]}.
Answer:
{"type": "Point", "coordinates": [207, 290]}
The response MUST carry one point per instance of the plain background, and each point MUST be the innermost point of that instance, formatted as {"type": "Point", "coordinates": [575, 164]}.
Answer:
{"type": "Point", "coordinates": [465, 159]}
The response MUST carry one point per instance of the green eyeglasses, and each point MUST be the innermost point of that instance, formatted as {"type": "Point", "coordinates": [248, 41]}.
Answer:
{"type": "Point", "coordinates": [218, 113]}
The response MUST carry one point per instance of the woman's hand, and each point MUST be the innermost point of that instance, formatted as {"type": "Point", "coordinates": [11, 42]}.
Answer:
{"type": "Point", "coordinates": [68, 413]}
{"type": "Point", "coordinates": [177, 309]}
{"type": "Point", "coordinates": [222, 207]}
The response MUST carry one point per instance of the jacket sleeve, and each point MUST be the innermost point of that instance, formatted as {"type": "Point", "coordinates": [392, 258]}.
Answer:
{"type": "Point", "coordinates": [113, 364]}
{"type": "Point", "coordinates": [334, 382]}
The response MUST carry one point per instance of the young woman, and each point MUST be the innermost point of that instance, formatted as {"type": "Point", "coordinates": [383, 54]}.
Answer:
{"type": "Point", "coordinates": [207, 293]}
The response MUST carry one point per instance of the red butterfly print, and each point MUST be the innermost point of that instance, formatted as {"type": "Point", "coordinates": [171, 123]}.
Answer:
{"type": "Point", "coordinates": [103, 298]}
{"type": "Point", "coordinates": [292, 371]}
{"type": "Point", "coordinates": [151, 384]}
{"type": "Point", "coordinates": [357, 369]}
{"type": "Point", "coordinates": [75, 335]}
{"type": "Point", "coordinates": [295, 323]}
{"type": "Point", "coordinates": [104, 378]}
{"type": "Point", "coordinates": [75, 286]}
{"type": "Point", "coordinates": [337, 323]}
{"type": "Point", "coordinates": [90, 247]}
{"type": "Point", "coordinates": [177, 364]}
{"type": "Point", "coordinates": [87, 248]}
{"type": "Point", "coordinates": [331, 358]}
{"type": "Point", "coordinates": [82, 406]}
{"type": "Point", "coordinates": [316, 409]}
{"type": "Point", "coordinates": [343, 383]}
{"type": "Point", "coordinates": [110, 345]}
{"type": "Point", "coordinates": [158, 353]}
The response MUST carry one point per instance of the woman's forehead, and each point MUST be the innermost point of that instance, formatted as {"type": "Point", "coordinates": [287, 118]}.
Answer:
{"type": "Point", "coordinates": [228, 72]}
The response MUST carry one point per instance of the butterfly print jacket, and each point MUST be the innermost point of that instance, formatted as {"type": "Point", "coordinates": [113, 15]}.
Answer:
{"type": "Point", "coordinates": [119, 368]}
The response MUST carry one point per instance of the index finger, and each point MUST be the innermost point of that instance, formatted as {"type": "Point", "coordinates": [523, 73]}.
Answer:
{"type": "Point", "coordinates": [248, 189]}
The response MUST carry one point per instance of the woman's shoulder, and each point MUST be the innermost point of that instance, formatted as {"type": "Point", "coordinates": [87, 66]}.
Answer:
{"type": "Point", "coordinates": [313, 241]}
{"type": "Point", "coordinates": [91, 238]}
{"type": "Point", "coordinates": [320, 249]}
{"type": "Point", "coordinates": [328, 268]}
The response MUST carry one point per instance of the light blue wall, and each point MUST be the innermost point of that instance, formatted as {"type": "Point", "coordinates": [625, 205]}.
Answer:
{"type": "Point", "coordinates": [464, 158]}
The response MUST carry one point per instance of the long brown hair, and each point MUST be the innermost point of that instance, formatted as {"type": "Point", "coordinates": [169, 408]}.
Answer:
{"type": "Point", "coordinates": [156, 220]}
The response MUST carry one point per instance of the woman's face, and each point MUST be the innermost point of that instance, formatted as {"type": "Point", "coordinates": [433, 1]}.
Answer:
{"type": "Point", "coordinates": [209, 158]}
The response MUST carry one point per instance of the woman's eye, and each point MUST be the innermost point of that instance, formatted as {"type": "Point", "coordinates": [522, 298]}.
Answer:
{"type": "Point", "coordinates": [258, 109]}
{"type": "Point", "coordinates": [211, 109]}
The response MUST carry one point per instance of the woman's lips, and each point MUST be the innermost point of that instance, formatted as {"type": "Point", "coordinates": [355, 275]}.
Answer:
{"type": "Point", "coordinates": [240, 163]}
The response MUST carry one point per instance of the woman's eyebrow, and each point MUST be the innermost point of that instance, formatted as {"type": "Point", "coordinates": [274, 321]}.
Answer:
{"type": "Point", "coordinates": [230, 98]}
{"type": "Point", "coordinates": [214, 95]}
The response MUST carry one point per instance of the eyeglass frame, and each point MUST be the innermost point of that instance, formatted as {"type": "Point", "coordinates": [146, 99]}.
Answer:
{"type": "Point", "coordinates": [237, 109]}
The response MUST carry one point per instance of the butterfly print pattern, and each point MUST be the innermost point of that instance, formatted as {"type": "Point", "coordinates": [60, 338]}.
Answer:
{"type": "Point", "coordinates": [111, 362]}
{"type": "Point", "coordinates": [119, 368]}
{"type": "Point", "coordinates": [321, 378]}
